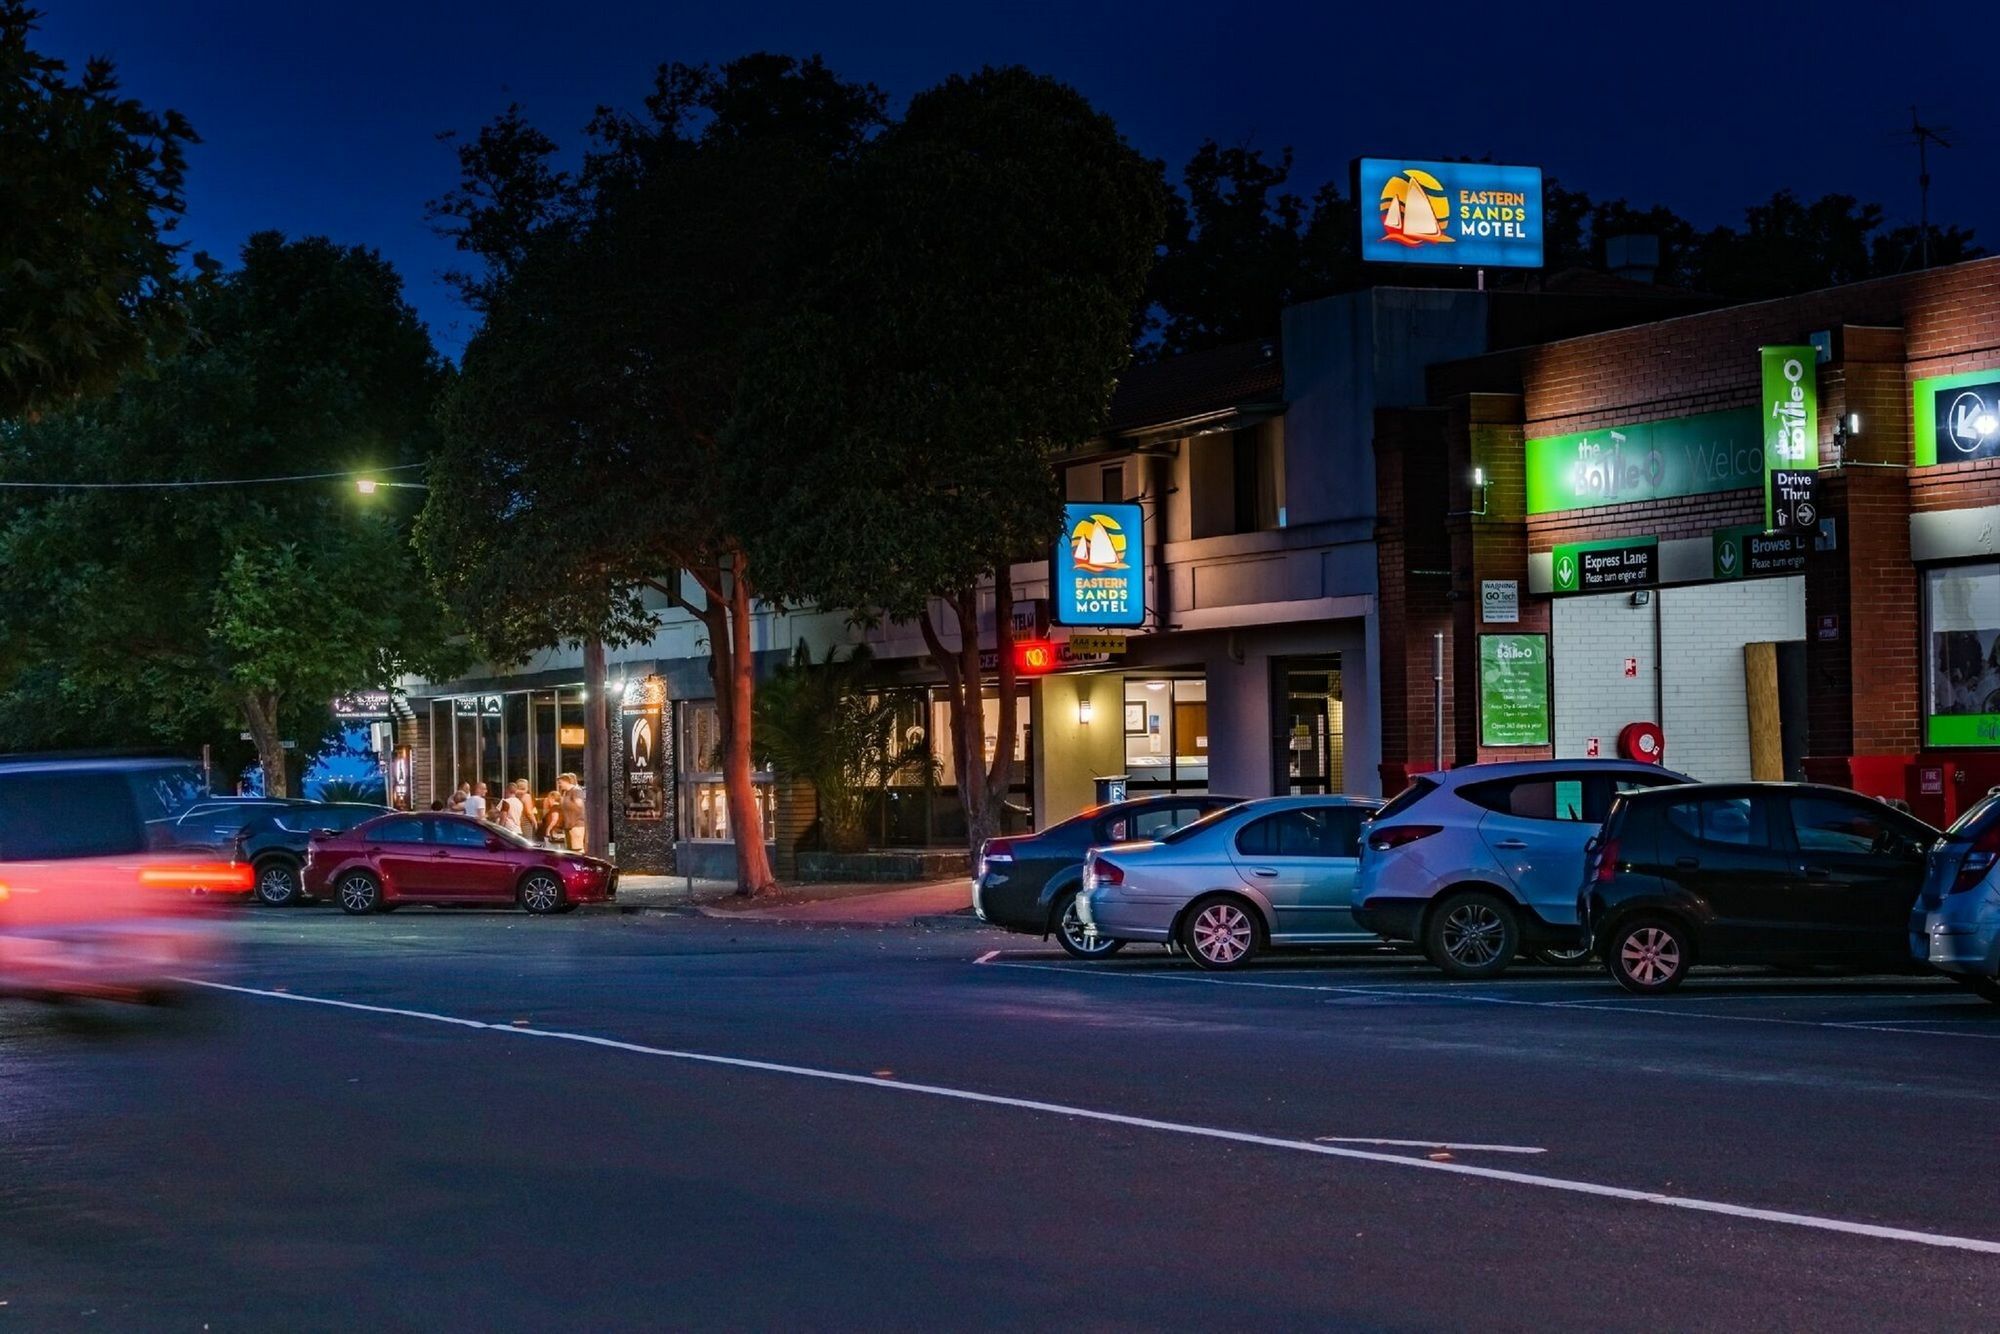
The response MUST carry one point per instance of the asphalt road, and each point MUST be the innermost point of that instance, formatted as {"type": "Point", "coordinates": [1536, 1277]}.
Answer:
{"type": "Point", "coordinates": [673, 1121]}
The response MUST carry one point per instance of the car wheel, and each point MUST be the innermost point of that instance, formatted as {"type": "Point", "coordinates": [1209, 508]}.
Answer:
{"type": "Point", "coordinates": [1220, 932]}
{"type": "Point", "coordinates": [277, 882]}
{"type": "Point", "coordinates": [541, 893]}
{"type": "Point", "coordinates": [1557, 957]}
{"type": "Point", "coordinates": [1649, 956]}
{"type": "Point", "coordinates": [1472, 935]}
{"type": "Point", "coordinates": [358, 893]}
{"type": "Point", "coordinates": [1076, 942]}
{"type": "Point", "coordinates": [1986, 988]}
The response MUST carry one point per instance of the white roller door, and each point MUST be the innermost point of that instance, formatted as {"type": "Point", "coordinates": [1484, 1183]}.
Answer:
{"type": "Point", "coordinates": [1685, 649]}
{"type": "Point", "coordinates": [1593, 637]}
{"type": "Point", "coordinates": [1702, 633]}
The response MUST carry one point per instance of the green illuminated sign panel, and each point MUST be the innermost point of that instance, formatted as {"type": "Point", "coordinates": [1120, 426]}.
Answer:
{"type": "Point", "coordinates": [1790, 417]}
{"type": "Point", "coordinates": [1956, 417]}
{"type": "Point", "coordinates": [1616, 465]}
{"type": "Point", "coordinates": [1513, 690]}
{"type": "Point", "coordinates": [1606, 566]}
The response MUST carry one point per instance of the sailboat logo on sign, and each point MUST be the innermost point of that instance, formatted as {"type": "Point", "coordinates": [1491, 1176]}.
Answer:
{"type": "Point", "coordinates": [1097, 543]}
{"type": "Point", "coordinates": [1414, 209]}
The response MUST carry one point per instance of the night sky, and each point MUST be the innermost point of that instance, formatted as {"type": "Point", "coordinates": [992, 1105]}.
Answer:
{"type": "Point", "coordinates": [322, 118]}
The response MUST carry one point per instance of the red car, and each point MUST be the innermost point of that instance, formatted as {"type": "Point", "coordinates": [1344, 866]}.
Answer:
{"type": "Point", "coordinates": [397, 859]}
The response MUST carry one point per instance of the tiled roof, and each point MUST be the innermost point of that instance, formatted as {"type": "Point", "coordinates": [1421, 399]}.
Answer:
{"type": "Point", "coordinates": [1158, 393]}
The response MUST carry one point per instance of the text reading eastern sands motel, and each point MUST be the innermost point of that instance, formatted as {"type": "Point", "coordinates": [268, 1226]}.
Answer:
{"type": "Point", "coordinates": [1501, 213]}
{"type": "Point", "coordinates": [1108, 595]}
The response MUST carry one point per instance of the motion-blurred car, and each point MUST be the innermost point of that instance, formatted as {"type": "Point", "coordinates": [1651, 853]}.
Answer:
{"type": "Point", "coordinates": [273, 843]}
{"type": "Point", "coordinates": [1273, 873]}
{"type": "Point", "coordinates": [1029, 882]}
{"type": "Point", "coordinates": [1955, 927]}
{"type": "Point", "coordinates": [384, 863]}
{"type": "Point", "coordinates": [1781, 873]}
{"type": "Point", "coordinates": [1475, 864]}
{"type": "Point", "coordinates": [94, 897]}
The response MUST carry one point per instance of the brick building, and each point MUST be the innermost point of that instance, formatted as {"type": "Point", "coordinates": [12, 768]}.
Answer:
{"type": "Point", "coordinates": [1593, 509]}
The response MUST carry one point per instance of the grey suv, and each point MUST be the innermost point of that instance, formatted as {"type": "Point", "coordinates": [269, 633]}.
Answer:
{"type": "Point", "coordinates": [1476, 863]}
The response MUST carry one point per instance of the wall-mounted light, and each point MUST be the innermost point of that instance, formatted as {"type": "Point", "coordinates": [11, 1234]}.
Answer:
{"type": "Point", "coordinates": [1085, 710]}
{"type": "Point", "coordinates": [1479, 484]}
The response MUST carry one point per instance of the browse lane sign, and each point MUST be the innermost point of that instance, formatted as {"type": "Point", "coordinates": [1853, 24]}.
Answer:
{"type": "Point", "coordinates": [1606, 566]}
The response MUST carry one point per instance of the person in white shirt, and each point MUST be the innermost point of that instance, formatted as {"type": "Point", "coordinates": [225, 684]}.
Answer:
{"type": "Point", "coordinates": [475, 805]}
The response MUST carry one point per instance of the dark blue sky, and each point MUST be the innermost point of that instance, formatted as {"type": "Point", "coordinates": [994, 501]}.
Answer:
{"type": "Point", "coordinates": [322, 117]}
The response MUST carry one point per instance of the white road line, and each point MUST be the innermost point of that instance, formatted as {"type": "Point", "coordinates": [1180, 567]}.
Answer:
{"type": "Point", "coordinates": [1815, 1222]}
{"type": "Point", "coordinates": [1472, 998]}
{"type": "Point", "coordinates": [987, 957]}
{"type": "Point", "coordinates": [1428, 1144]}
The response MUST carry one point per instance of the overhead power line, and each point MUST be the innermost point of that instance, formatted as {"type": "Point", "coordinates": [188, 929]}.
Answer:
{"type": "Point", "coordinates": [353, 474]}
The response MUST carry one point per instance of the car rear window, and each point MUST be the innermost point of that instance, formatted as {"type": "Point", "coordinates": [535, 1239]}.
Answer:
{"type": "Point", "coordinates": [58, 814]}
{"type": "Point", "coordinates": [1737, 821]}
{"type": "Point", "coordinates": [1418, 789]}
{"type": "Point", "coordinates": [1188, 831]}
{"type": "Point", "coordinates": [1977, 816]}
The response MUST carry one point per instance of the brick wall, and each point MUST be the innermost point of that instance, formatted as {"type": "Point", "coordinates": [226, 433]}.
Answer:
{"type": "Point", "coordinates": [1865, 684]}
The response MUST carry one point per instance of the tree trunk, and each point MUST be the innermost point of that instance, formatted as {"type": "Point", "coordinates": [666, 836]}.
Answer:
{"type": "Point", "coordinates": [732, 667]}
{"type": "Point", "coordinates": [982, 787]}
{"type": "Point", "coordinates": [260, 716]}
{"type": "Point", "coordinates": [746, 821]}
{"type": "Point", "coordinates": [596, 751]}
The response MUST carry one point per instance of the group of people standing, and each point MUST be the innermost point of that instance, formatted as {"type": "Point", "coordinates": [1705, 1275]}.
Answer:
{"type": "Point", "coordinates": [556, 819]}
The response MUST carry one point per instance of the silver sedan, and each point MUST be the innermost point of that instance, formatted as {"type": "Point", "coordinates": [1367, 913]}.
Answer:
{"type": "Point", "coordinates": [1266, 874]}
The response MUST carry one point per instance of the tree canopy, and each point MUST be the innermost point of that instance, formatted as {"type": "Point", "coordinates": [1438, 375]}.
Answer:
{"type": "Point", "coordinates": [966, 319]}
{"type": "Point", "coordinates": [180, 614]}
{"type": "Point", "coordinates": [90, 278]}
{"type": "Point", "coordinates": [621, 303]}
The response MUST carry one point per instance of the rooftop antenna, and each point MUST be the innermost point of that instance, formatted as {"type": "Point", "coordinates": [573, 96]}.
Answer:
{"type": "Point", "coordinates": [1924, 136]}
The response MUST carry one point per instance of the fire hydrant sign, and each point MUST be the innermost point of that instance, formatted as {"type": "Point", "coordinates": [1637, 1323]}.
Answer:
{"type": "Point", "coordinates": [1513, 690]}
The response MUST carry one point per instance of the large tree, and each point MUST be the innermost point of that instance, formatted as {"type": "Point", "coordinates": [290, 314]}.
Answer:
{"type": "Point", "coordinates": [92, 189]}
{"type": "Point", "coordinates": [585, 436]}
{"type": "Point", "coordinates": [224, 601]}
{"type": "Point", "coordinates": [967, 319]}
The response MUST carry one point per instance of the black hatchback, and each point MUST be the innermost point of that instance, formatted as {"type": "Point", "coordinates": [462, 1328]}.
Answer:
{"type": "Point", "coordinates": [1778, 873]}
{"type": "Point", "coordinates": [1029, 882]}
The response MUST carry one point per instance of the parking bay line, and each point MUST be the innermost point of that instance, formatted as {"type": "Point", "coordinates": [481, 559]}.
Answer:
{"type": "Point", "coordinates": [1692, 1204]}
{"type": "Point", "coordinates": [1468, 998]}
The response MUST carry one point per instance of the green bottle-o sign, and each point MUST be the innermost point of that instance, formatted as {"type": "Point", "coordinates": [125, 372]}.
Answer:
{"type": "Point", "coordinates": [1513, 690]}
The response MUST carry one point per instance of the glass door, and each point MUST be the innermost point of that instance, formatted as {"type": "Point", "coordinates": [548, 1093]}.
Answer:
{"type": "Point", "coordinates": [1309, 741]}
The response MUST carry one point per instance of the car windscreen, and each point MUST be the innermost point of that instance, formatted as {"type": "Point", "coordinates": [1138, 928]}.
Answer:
{"type": "Point", "coordinates": [58, 814]}
{"type": "Point", "coordinates": [1418, 789]}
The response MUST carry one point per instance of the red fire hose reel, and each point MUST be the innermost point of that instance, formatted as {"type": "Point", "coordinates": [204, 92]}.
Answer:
{"type": "Point", "coordinates": [1644, 742]}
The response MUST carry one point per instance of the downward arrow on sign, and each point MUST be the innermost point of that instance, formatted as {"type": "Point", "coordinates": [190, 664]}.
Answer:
{"type": "Point", "coordinates": [1728, 556]}
{"type": "Point", "coordinates": [1566, 572]}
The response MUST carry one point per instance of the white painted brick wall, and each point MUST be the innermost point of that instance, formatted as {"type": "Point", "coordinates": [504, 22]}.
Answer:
{"type": "Point", "coordinates": [1594, 698]}
{"type": "Point", "coordinates": [1703, 630]}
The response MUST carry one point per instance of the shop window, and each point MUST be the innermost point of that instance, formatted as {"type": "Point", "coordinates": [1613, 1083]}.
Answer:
{"type": "Point", "coordinates": [705, 796]}
{"type": "Point", "coordinates": [569, 733]}
{"type": "Point", "coordinates": [1166, 734]}
{"type": "Point", "coordinates": [1962, 613]}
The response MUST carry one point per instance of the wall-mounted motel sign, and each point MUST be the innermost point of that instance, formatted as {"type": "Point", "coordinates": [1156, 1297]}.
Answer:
{"type": "Point", "coordinates": [1606, 566]}
{"type": "Point", "coordinates": [1790, 416]}
{"type": "Point", "coordinates": [1098, 571]}
{"type": "Point", "coordinates": [1470, 214]}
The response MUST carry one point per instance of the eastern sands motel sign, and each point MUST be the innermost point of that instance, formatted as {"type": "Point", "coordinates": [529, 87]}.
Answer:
{"type": "Point", "coordinates": [1098, 567]}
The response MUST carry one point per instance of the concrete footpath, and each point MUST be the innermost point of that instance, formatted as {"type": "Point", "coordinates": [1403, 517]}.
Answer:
{"type": "Point", "coordinates": [938, 903]}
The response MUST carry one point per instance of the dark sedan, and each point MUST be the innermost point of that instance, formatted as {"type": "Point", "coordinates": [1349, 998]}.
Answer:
{"type": "Point", "coordinates": [1029, 882]}
{"type": "Point", "coordinates": [273, 843]}
{"type": "Point", "coordinates": [449, 859]}
{"type": "Point", "coordinates": [1779, 873]}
